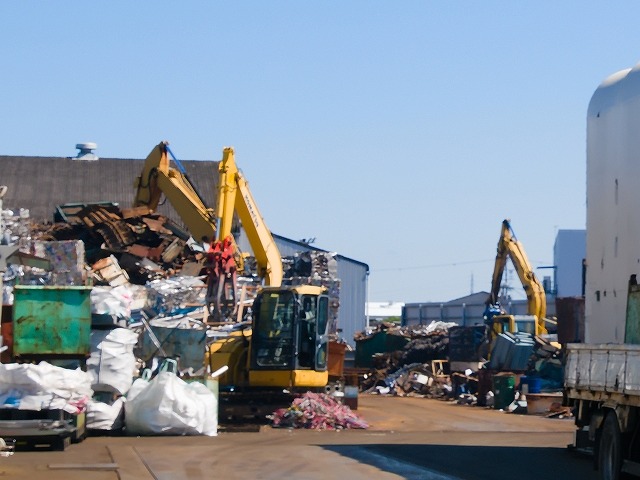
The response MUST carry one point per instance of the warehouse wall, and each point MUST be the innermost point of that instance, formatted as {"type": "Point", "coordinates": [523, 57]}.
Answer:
{"type": "Point", "coordinates": [465, 311]}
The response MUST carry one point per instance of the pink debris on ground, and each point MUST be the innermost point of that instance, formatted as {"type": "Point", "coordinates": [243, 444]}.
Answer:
{"type": "Point", "coordinates": [317, 411]}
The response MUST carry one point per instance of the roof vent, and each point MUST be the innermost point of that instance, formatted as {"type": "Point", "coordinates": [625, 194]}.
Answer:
{"type": "Point", "coordinates": [86, 151]}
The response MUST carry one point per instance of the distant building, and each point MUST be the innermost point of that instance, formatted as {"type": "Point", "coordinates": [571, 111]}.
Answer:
{"type": "Point", "coordinates": [383, 311]}
{"type": "Point", "coordinates": [569, 252]}
{"type": "Point", "coordinates": [465, 311]}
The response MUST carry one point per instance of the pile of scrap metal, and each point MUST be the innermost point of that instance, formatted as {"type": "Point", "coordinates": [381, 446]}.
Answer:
{"type": "Point", "coordinates": [546, 363]}
{"type": "Point", "coordinates": [419, 368]}
{"type": "Point", "coordinates": [147, 303]}
{"type": "Point", "coordinates": [126, 245]}
{"type": "Point", "coordinates": [539, 370]}
{"type": "Point", "coordinates": [426, 380]}
{"type": "Point", "coordinates": [317, 411]}
{"type": "Point", "coordinates": [315, 268]}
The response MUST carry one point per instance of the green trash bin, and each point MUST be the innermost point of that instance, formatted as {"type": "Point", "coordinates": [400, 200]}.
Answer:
{"type": "Point", "coordinates": [504, 390]}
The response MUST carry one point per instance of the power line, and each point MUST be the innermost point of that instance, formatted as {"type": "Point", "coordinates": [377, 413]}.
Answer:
{"type": "Point", "coordinates": [435, 265]}
{"type": "Point", "coordinates": [441, 265]}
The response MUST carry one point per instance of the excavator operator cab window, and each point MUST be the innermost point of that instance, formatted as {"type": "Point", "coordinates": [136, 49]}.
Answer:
{"type": "Point", "coordinates": [322, 327]}
{"type": "Point", "coordinates": [307, 331]}
{"type": "Point", "coordinates": [273, 330]}
{"type": "Point", "coordinates": [526, 323]}
{"type": "Point", "coordinates": [312, 332]}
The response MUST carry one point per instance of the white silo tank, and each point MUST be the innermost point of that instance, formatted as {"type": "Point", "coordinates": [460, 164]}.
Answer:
{"type": "Point", "coordinates": [613, 203]}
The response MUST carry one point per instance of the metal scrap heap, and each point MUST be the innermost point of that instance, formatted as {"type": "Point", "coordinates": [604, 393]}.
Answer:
{"type": "Point", "coordinates": [412, 363]}
{"type": "Point", "coordinates": [142, 280]}
{"type": "Point", "coordinates": [317, 411]}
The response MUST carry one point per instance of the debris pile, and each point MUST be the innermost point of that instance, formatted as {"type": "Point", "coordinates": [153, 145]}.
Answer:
{"type": "Point", "coordinates": [546, 363]}
{"type": "Point", "coordinates": [317, 411]}
{"type": "Point", "coordinates": [145, 278]}
{"type": "Point", "coordinates": [538, 377]}
{"type": "Point", "coordinates": [418, 368]}
{"type": "Point", "coordinates": [128, 245]}
{"type": "Point", "coordinates": [426, 380]}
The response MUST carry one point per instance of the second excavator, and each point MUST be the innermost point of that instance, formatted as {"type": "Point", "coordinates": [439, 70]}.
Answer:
{"type": "Point", "coordinates": [496, 318]}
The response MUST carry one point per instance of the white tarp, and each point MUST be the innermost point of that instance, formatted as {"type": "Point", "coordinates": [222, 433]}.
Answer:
{"type": "Point", "coordinates": [44, 386]}
{"type": "Point", "coordinates": [112, 362]}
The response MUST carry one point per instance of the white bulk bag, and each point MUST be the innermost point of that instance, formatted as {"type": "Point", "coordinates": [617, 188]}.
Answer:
{"type": "Point", "coordinates": [112, 362]}
{"type": "Point", "coordinates": [167, 405]}
{"type": "Point", "coordinates": [102, 416]}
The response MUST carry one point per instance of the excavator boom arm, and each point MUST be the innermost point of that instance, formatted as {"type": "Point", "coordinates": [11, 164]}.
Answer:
{"type": "Point", "coordinates": [234, 195]}
{"type": "Point", "coordinates": [510, 247]}
{"type": "Point", "coordinates": [158, 178]}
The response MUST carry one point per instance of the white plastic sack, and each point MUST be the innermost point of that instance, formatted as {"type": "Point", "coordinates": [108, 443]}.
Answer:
{"type": "Point", "coordinates": [44, 386]}
{"type": "Point", "coordinates": [168, 405]}
{"type": "Point", "coordinates": [112, 300]}
{"type": "Point", "coordinates": [102, 416]}
{"type": "Point", "coordinates": [112, 362]}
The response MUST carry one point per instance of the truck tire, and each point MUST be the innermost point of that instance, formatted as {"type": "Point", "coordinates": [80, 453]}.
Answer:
{"type": "Point", "coordinates": [610, 450]}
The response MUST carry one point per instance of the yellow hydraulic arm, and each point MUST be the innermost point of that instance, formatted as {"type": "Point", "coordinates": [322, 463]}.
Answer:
{"type": "Point", "coordinates": [234, 195]}
{"type": "Point", "coordinates": [158, 178]}
{"type": "Point", "coordinates": [510, 247]}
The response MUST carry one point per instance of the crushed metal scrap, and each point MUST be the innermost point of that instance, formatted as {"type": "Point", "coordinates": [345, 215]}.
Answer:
{"type": "Point", "coordinates": [317, 411]}
{"type": "Point", "coordinates": [419, 368]}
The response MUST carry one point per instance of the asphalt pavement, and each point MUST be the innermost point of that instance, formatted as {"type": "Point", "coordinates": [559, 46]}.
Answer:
{"type": "Point", "coordinates": [411, 438]}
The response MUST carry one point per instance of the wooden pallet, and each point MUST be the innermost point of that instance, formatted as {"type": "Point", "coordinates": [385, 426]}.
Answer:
{"type": "Point", "coordinates": [33, 435]}
{"type": "Point", "coordinates": [35, 443]}
{"type": "Point", "coordinates": [13, 421]}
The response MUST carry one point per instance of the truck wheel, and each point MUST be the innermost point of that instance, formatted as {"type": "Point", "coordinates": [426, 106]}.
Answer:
{"type": "Point", "coordinates": [610, 451]}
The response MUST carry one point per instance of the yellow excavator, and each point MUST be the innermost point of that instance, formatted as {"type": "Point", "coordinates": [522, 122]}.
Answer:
{"type": "Point", "coordinates": [286, 345]}
{"type": "Point", "coordinates": [498, 321]}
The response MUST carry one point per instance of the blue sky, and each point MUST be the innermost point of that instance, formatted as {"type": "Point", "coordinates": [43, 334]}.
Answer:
{"type": "Point", "coordinates": [399, 134]}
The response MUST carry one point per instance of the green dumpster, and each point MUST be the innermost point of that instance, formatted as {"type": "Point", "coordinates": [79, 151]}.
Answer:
{"type": "Point", "coordinates": [379, 342]}
{"type": "Point", "coordinates": [51, 321]}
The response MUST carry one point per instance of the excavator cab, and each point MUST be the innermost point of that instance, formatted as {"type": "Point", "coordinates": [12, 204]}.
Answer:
{"type": "Point", "coordinates": [289, 344]}
{"type": "Point", "coordinates": [513, 324]}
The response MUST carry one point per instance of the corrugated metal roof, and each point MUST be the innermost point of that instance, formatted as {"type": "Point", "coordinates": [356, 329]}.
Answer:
{"type": "Point", "coordinates": [41, 183]}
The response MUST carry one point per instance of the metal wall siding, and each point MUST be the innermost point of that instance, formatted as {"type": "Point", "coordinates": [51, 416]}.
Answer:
{"type": "Point", "coordinates": [464, 314]}
{"type": "Point", "coordinates": [353, 297]}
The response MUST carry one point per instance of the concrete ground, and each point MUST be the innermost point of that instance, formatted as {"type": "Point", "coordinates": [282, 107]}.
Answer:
{"type": "Point", "coordinates": [412, 438]}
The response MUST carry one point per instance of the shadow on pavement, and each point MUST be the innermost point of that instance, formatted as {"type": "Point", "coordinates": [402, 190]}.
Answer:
{"type": "Point", "coordinates": [471, 462]}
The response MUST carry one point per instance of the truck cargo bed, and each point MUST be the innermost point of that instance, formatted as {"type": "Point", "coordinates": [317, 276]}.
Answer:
{"type": "Point", "coordinates": [603, 372]}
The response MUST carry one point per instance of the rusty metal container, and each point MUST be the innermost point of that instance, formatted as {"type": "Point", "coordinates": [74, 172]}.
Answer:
{"type": "Point", "coordinates": [51, 321]}
{"type": "Point", "coordinates": [335, 363]}
{"type": "Point", "coordinates": [571, 315]}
